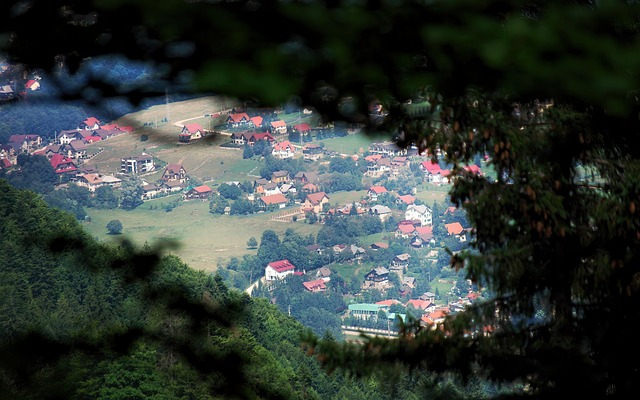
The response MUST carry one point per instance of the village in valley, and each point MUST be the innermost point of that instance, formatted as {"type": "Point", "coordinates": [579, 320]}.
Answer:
{"type": "Point", "coordinates": [392, 263]}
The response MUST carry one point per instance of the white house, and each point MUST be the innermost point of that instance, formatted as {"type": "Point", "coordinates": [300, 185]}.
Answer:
{"type": "Point", "coordinates": [419, 212]}
{"type": "Point", "coordinates": [278, 270]}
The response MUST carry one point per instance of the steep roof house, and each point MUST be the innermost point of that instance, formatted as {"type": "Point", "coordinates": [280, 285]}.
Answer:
{"type": "Point", "coordinates": [310, 188]}
{"type": "Point", "coordinates": [256, 121]}
{"type": "Point", "coordinates": [377, 278]}
{"type": "Point", "coordinates": [238, 119]}
{"type": "Point", "coordinates": [238, 138]}
{"type": "Point", "coordinates": [89, 124]}
{"type": "Point", "coordinates": [314, 202]}
{"type": "Point", "coordinates": [405, 229]}
{"type": "Point", "coordinates": [62, 164]}
{"type": "Point", "coordinates": [433, 173]}
{"type": "Point", "coordinates": [174, 172]}
{"type": "Point", "coordinates": [283, 150]}
{"type": "Point", "coordinates": [278, 270]}
{"type": "Point", "coordinates": [66, 136]}
{"type": "Point", "coordinates": [253, 138]}
{"type": "Point", "coordinates": [190, 133]}
{"type": "Point", "coordinates": [271, 188]}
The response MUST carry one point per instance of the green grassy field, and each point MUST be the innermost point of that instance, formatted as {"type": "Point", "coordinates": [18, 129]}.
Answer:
{"type": "Point", "coordinates": [357, 143]}
{"type": "Point", "coordinates": [343, 198]}
{"type": "Point", "coordinates": [428, 193]}
{"type": "Point", "coordinates": [205, 240]}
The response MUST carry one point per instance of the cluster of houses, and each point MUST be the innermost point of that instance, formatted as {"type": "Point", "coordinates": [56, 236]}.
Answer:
{"type": "Point", "coordinates": [424, 305]}
{"type": "Point", "coordinates": [68, 151]}
{"type": "Point", "coordinates": [10, 87]}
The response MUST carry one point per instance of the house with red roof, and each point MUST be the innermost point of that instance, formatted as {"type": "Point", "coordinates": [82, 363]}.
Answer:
{"type": "Point", "coordinates": [111, 127]}
{"type": "Point", "coordinates": [283, 150]}
{"type": "Point", "coordinates": [405, 229]}
{"type": "Point", "coordinates": [190, 133]}
{"type": "Point", "coordinates": [310, 188]}
{"type": "Point", "coordinates": [315, 286]}
{"type": "Point", "coordinates": [202, 192]}
{"type": "Point", "coordinates": [62, 164]}
{"type": "Point", "coordinates": [278, 270]}
{"type": "Point", "coordinates": [5, 163]}
{"type": "Point", "coordinates": [406, 199]}
{"type": "Point", "coordinates": [32, 84]}
{"type": "Point", "coordinates": [303, 128]}
{"type": "Point", "coordinates": [277, 200]}
{"type": "Point", "coordinates": [418, 304]}
{"type": "Point", "coordinates": [388, 303]}
{"type": "Point", "coordinates": [375, 191]}
{"type": "Point", "coordinates": [422, 236]}
{"type": "Point", "coordinates": [256, 121]}
{"type": "Point", "coordinates": [314, 202]}
{"type": "Point", "coordinates": [278, 127]}
{"type": "Point", "coordinates": [455, 229]}
{"type": "Point", "coordinates": [236, 120]}
{"type": "Point", "coordinates": [89, 124]}
{"type": "Point", "coordinates": [253, 138]}
{"type": "Point", "coordinates": [473, 169]}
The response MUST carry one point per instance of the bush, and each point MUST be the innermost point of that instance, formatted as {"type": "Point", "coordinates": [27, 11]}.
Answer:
{"type": "Point", "coordinates": [114, 227]}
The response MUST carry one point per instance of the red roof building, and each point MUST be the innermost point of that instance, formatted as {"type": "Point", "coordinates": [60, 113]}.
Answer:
{"type": "Point", "coordinates": [278, 270]}
{"type": "Point", "coordinates": [315, 286]}
{"type": "Point", "coordinates": [62, 164]}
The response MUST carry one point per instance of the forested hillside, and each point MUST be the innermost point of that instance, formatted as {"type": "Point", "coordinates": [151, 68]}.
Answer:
{"type": "Point", "coordinates": [83, 320]}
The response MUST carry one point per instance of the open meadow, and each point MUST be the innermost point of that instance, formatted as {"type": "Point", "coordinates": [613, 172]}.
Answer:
{"type": "Point", "coordinates": [205, 240]}
{"type": "Point", "coordinates": [352, 144]}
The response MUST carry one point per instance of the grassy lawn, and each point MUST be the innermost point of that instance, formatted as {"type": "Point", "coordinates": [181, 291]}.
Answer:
{"type": "Point", "coordinates": [348, 271]}
{"type": "Point", "coordinates": [205, 240]}
{"type": "Point", "coordinates": [428, 193]}
{"type": "Point", "coordinates": [343, 198]}
{"type": "Point", "coordinates": [357, 143]}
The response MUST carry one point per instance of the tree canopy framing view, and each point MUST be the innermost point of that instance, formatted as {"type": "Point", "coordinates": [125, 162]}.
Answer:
{"type": "Point", "coordinates": [543, 89]}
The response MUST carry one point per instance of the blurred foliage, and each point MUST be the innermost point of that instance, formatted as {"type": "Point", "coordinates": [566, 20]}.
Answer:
{"type": "Point", "coordinates": [545, 89]}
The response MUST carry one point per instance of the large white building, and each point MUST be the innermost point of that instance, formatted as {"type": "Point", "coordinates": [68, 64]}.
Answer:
{"type": "Point", "coordinates": [278, 270]}
{"type": "Point", "coordinates": [419, 212]}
